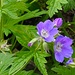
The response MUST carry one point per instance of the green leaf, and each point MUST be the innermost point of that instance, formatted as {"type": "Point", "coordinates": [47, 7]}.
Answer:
{"type": "Point", "coordinates": [19, 63]}
{"type": "Point", "coordinates": [40, 61]}
{"type": "Point", "coordinates": [64, 70]}
{"type": "Point", "coordinates": [5, 61]}
{"type": "Point", "coordinates": [12, 8]}
{"type": "Point", "coordinates": [8, 1]}
{"type": "Point", "coordinates": [23, 33]}
{"type": "Point", "coordinates": [0, 16]}
{"type": "Point", "coordinates": [70, 5]}
{"type": "Point", "coordinates": [31, 72]}
{"type": "Point", "coordinates": [6, 31]}
{"type": "Point", "coordinates": [26, 16]}
{"type": "Point", "coordinates": [52, 73]}
{"type": "Point", "coordinates": [25, 72]}
{"type": "Point", "coordinates": [54, 6]}
{"type": "Point", "coordinates": [10, 22]}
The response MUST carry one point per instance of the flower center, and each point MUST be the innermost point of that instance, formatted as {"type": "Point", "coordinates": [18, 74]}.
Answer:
{"type": "Point", "coordinates": [58, 47]}
{"type": "Point", "coordinates": [44, 33]}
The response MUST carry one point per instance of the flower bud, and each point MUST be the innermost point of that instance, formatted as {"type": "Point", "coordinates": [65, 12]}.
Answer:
{"type": "Point", "coordinates": [58, 22]}
{"type": "Point", "coordinates": [32, 42]}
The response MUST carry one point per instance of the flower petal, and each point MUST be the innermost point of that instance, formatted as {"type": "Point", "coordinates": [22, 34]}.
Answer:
{"type": "Point", "coordinates": [64, 40]}
{"type": "Point", "coordinates": [59, 56]}
{"type": "Point", "coordinates": [67, 41]}
{"type": "Point", "coordinates": [48, 25]}
{"type": "Point", "coordinates": [67, 51]}
{"type": "Point", "coordinates": [49, 39]}
{"type": "Point", "coordinates": [59, 38]}
{"type": "Point", "coordinates": [54, 31]}
{"type": "Point", "coordinates": [40, 26]}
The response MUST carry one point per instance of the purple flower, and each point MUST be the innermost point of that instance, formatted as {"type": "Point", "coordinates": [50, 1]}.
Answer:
{"type": "Point", "coordinates": [58, 22]}
{"type": "Point", "coordinates": [47, 31]}
{"type": "Point", "coordinates": [62, 48]}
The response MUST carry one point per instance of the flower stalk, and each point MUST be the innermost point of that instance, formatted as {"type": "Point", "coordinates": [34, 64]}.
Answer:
{"type": "Point", "coordinates": [1, 21]}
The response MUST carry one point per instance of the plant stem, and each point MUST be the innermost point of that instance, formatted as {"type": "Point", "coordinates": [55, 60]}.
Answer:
{"type": "Point", "coordinates": [1, 21]}
{"type": "Point", "coordinates": [38, 47]}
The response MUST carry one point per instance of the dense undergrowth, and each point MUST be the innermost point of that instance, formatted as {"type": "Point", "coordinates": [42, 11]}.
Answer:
{"type": "Point", "coordinates": [37, 37]}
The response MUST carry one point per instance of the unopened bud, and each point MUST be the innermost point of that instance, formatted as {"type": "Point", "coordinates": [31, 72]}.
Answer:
{"type": "Point", "coordinates": [32, 42]}
{"type": "Point", "coordinates": [58, 22]}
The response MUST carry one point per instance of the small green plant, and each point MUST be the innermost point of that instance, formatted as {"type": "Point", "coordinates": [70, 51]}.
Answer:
{"type": "Point", "coordinates": [37, 37]}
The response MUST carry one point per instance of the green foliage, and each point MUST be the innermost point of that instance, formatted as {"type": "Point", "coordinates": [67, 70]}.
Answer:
{"type": "Point", "coordinates": [26, 73]}
{"type": "Point", "coordinates": [23, 33]}
{"type": "Point", "coordinates": [19, 63]}
{"type": "Point", "coordinates": [5, 62]}
{"type": "Point", "coordinates": [64, 70]}
{"type": "Point", "coordinates": [26, 16]}
{"type": "Point", "coordinates": [31, 72]}
{"type": "Point", "coordinates": [40, 61]}
{"type": "Point", "coordinates": [14, 7]}
{"type": "Point", "coordinates": [70, 5]}
{"type": "Point", "coordinates": [16, 19]}
{"type": "Point", "coordinates": [54, 6]}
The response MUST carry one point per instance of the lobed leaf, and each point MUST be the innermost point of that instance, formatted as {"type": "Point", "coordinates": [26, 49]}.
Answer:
{"type": "Point", "coordinates": [64, 70]}
{"type": "Point", "coordinates": [11, 9]}
{"type": "Point", "coordinates": [69, 6]}
{"type": "Point", "coordinates": [5, 61]}
{"type": "Point", "coordinates": [40, 61]}
{"type": "Point", "coordinates": [23, 33]}
{"type": "Point", "coordinates": [19, 63]}
{"type": "Point", "coordinates": [54, 6]}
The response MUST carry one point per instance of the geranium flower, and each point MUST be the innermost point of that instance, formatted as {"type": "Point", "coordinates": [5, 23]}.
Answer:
{"type": "Point", "coordinates": [62, 48]}
{"type": "Point", "coordinates": [58, 22]}
{"type": "Point", "coordinates": [46, 30]}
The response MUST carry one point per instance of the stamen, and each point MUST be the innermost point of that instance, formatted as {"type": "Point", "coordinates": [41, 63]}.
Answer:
{"type": "Point", "coordinates": [58, 47]}
{"type": "Point", "coordinates": [44, 33]}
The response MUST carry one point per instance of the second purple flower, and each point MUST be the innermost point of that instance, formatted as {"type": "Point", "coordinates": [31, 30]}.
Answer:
{"type": "Point", "coordinates": [62, 48]}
